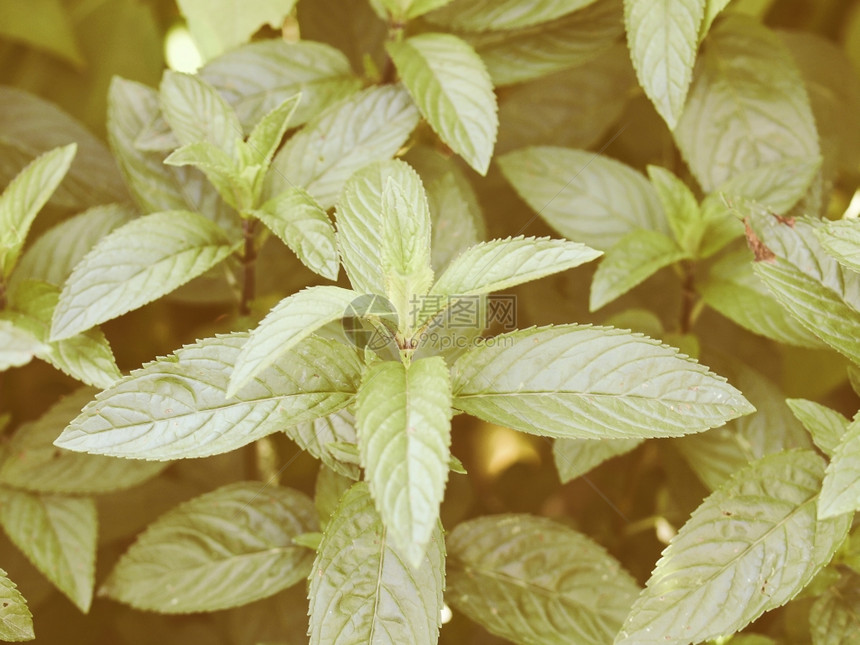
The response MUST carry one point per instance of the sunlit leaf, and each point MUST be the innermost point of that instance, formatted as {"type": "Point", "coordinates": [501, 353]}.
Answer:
{"type": "Point", "coordinates": [16, 622]}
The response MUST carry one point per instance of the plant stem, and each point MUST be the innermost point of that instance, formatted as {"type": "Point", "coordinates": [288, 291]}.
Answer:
{"type": "Point", "coordinates": [249, 269]}
{"type": "Point", "coordinates": [2, 293]}
{"type": "Point", "coordinates": [689, 298]}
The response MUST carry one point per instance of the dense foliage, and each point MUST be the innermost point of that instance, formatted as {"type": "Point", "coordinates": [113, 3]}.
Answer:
{"type": "Point", "coordinates": [296, 348]}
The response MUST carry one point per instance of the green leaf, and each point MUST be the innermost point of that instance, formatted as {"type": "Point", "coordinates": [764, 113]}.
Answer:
{"type": "Point", "coordinates": [633, 259]}
{"type": "Point", "coordinates": [266, 136]}
{"type": "Point", "coordinates": [369, 126]}
{"type": "Point", "coordinates": [778, 185]}
{"type": "Point", "coordinates": [196, 112]}
{"type": "Point", "coordinates": [220, 169]}
{"type": "Point", "coordinates": [53, 256]}
{"type": "Point", "coordinates": [575, 457]}
{"type": "Point", "coordinates": [44, 24]}
{"type": "Point", "coordinates": [362, 590]}
{"type": "Point", "coordinates": [16, 621]}
{"type": "Point", "coordinates": [404, 434]}
{"type": "Point", "coordinates": [584, 196]}
{"type": "Point", "coordinates": [500, 264]}
{"type": "Point", "coordinates": [223, 549]}
{"type": "Point", "coordinates": [583, 382]}
{"type": "Point", "coordinates": [317, 436]}
{"type": "Point", "coordinates": [136, 264]}
{"type": "Point", "coordinates": [826, 426]}
{"type": "Point", "coordinates": [747, 106]}
{"type": "Point", "coordinates": [301, 223]}
{"type": "Point", "coordinates": [330, 486]}
{"type": "Point", "coordinates": [451, 86]}
{"type": "Point", "coordinates": [221, 25]}
{"type": "Point", "coordinates": [58, 535]}
{"type": "Point", "coordinates": [712, 10]}
{"type": "Point", "coordinates": [23, 199]}
{"type": "Point", "coordinates": [833, 618]}
{"type": "Point", "coordinates": [531, 580]}
{"type": "Point", "coordinates": [484, 15]}
{"type": "Point", "coordinates": [291, 321]}
{"type": "Point", "coordinates": [841, 487]}
{"type": "Point", "coordinates": [736, 557]}
{"type": "Point", "coordinates": [404, 10]}
{"type": "Point", "coordinates": [456, 221]}
{"type": "Point", "coordinates": [531, 52]}
{"type": "Point", "coordinates": [36, 465]}
{"type": "Point", "coordinates": [680, 206]}
{"type": "Point", "coordinates": [663, 40]}
{"type": "Point", "coordinates": [842, 241]}
{"type": "Point", "coordinates": [257, 78]}
{"type": "Point", "coordinates": [17, 346]}
{"type": "Point", "coordinates": [175, 407]}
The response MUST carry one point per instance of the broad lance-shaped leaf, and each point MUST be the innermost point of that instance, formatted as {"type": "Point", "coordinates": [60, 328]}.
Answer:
{"type": "Point", "coordinates": [833, 618]}
{"type": "Point", "coordinates": [223, 549]}
{"type": "Point", "coordinates": [451, 86]}
{"type": "Point", "coordinates": [301, 223]}
{"type": "Point", "coordinates": [840, 492]}
{"type": "Point", "coordinates": [584, 196]}
{"type": "Point", "coordinates": [291, 321]}
{"type": "Point", "coordinates": [17, 346]}
{"type": "Point", "coordinates": [532, 580]}
{"type": "Point", "coordinates": [317, 436]}
{"type": "Point", "coordinates": [485, 15]}
{"type": "Point", "coordinates": [369, 126]}
{"type": "Point", "coordinates": [826, 426]}
{"type": "Point", "coordinates": [663, 39]}
{"type": "Point", "coordinates": [578, 381]}
{"type": "Point", "coordinates": [842, 241]}
{"type": "Point", "coordinates": [58, 535]}
{"type": "Point", "coordinates": [501, 264]}
{"type": "Point", "coordinates": [175, 407]}
{"type": "Point", "coordinates": [16, 621]}
{"type": "Point", "coordinates": [575, 457]}
{"type": "Point", "coordinates": [751, 546]}
{"type": "Point", "coordinates": [136, 264]}
{"type": "Point", "coordinates": [24, 197]}
{"type": "Point", "coordinates": [362, 590]}
{"type": "Point", "coordinates": [265, 138]}
{"type": "Point", "coordinates": [220, 169]}
{"type": "Point", "coordinates": [36, 465]}
{"type": "Point", "coordinates": [404, 434]}
{"type": "Point", "coordinates": [636, 257]}
{"type": "Point", "coordinates": [680, 206]}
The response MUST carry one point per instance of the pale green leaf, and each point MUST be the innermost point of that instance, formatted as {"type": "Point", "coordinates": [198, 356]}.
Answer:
{"type": "Point", "coordinates": [257, 78]}
{"type": "Point", "coordinates": [484, 15]}
{"type": "Point", "coordinates": [456, 217]}
{"type": "Point", "coordinates": [299, 221]}
{"type": "Point", "coordinates": [842, 240]}
{"type": "Point", "coordinates": [24, 197]}
{"type": "Point", "coordinates": [17, 346]}
{"type": "Point", "coordinates": [136, 264]}
{"type": "Point", "coordinates": [451, 86]}
{"type": "Point", "coordinates": [58, 535]}
{"type": "Point", "coordinates": [633, 259]}
{"type": "Point", "coordinates": [532, 580]}
{"type": "Point", "coordinates": [750, 547]}
{"type": "Point", "coordinates": [361, 588]}
{"type": "Point", "coordinates": [366, 127]}
{"type": "Point", "coordinates": [36, 465]}
{"type": "Point", "coordinates": [583, 195]}
{"type": "Point", "coordinates": [403, 418]}
{"type": "Point", "coordinates": [575, 457]}
{"type": "Point", "coordinates": [266, 136]}
{"type": "Point", "coordinates": [220, 169]}
{"type": "Point", "coordinates": [44, 24]}
{"type": "Point", "coordinates": [223, 549]}
{"type": "Point", "coordinates": [175, 407]}
{"type": "Point", "coordinates": [501, 264]}
{"type": "Point", "coordinates": [712, 10]}
{"type": "Point", "coordinates": [747, 106]}
{"type": "Point", "coordinates": [680, 206]}
{"type": "Point", "coordinates": [196, 112]}
{"type": "Point", "coordinates": [292, 320]}
{"type": "Point", "coordinates": [840, 492]}
{"type": "Point", "coordinates": [834, 618]}
{"type": "Point", "coordinates": [825, 425]}
{"type": "Point", "coordinates": [531, 52]}
{"type": "Point", "coordinates": [407, 9]}
{"type": "Point", "coordinates": [16, 622]}
{"type": "Point", "coordinates": [330, 486]}
{"type": "Point", "coordinates": [585, 382]}
{"type": "Point", "coordinates": [778, 185]}
{"type": "Point", "coordinates": [221, 25]}
{"type": "Point", "coordinates": [317, 436]}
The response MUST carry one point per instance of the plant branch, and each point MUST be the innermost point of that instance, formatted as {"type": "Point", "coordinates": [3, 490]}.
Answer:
{"type": "Point", "coordinates": [689, 297]}
{"type": "Point", "coordinates": [249, 268]}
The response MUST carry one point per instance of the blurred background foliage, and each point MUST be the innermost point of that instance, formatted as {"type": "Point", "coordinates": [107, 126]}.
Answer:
{"type": "Point", "coordinates": [67, 51]}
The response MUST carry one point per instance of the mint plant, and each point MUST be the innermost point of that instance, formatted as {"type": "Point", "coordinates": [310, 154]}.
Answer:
{"type": "Point", "coordinates": [611, 243]}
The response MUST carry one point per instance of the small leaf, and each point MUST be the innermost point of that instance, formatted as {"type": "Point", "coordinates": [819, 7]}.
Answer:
{"type": "Point", "coordinates": [451, 86]}
{"type": "Point", "coordinates": [404, 434]}
{"type": "Point", "coordinates": [330, 486]}
{"type": "Point", "coordinates": [584, 382]}
{"type": "Point", "coordinates": [778, 185]}
{"type": "Point", "coordinates": [16, 621]}
{"type": "Point", "coordinates": [361, 588]}
{"type": "Point", "coordinates": [842, 241]}
{"type": "Point", "coordinates": [532, 580]}
{"type": "Point", "coordinates": [175, 407]}
{"type": "Point", "coordinates": [404, 10]}
{"type": "Point", "coordinates": [663, 40]}
{"type": "Point", "coordinates": [833, 618]}
{"type": "Point", "coordinates": [301, 223]}
{"type": "Point", "coordinates": [287, 324]}
{"type": "Point", "coordinates": [24, 197]}
{"type": "Point", "coordinates": [317, 436]}
{"type": "Point", "coordinates": [58, 535]}
{"type": "Point", "coordinates": [220, 170]}
{"type": "Point", "coordinates": [633, 259]}
{"type": "Point", "coordinates": [266, 136]}
{"type": "Point", "coordinates": [485, 15]}
{"type": "Point", "coordinates": [738, 554]}
{"type": "Point", "coordinates": [456, 221]}
{"type": "Point", "coordinates": [680, 206]}
{"type": "Point", "coordinates": [136, 264]}
{"type": "Point", "coordinates": [17, 346]}
{"type": "Point", "coordinates": [223, 549]}
{"type": "Point", "coordinates": [575, 457]}
{"type": "Point", "coordinates": [840, 491]}
{"type": "Point", "coordinates": [826, 426]}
